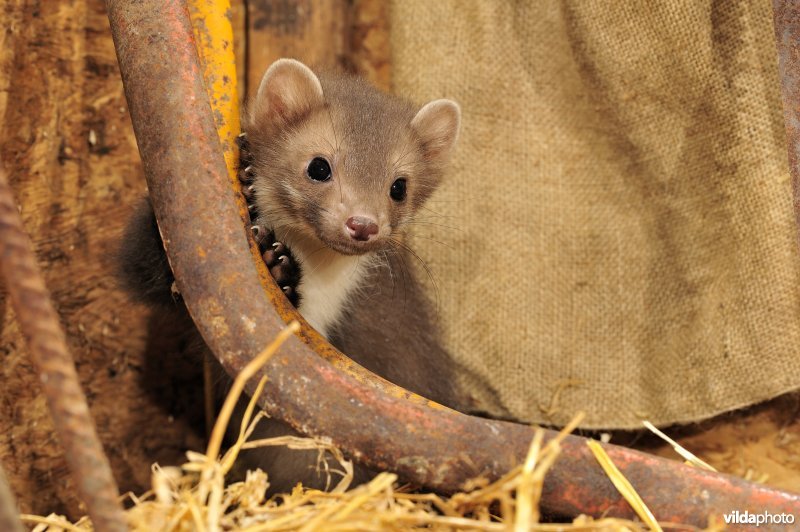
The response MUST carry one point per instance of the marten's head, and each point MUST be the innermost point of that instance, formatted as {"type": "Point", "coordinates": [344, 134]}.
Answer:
{"type": "Point", "coordinates": [338, 162]}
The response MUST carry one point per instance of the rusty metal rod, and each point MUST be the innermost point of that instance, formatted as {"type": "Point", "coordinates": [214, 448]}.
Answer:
{"type": "Point", "coordinates": [786, 16]}
{"type": "Point", "coordinates": [311, 386]}
{"type": "Point", "coordinates": [39, 324]}
{"type": "Point", "coordinates": [9, 514]}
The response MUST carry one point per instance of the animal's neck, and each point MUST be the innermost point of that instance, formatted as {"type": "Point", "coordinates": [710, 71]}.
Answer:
{"type": "Point", "coordinates": [329, 279]}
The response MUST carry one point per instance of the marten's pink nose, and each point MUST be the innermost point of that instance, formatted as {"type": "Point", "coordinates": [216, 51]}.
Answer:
{"type": "Point", "coordinates": [361, 228]}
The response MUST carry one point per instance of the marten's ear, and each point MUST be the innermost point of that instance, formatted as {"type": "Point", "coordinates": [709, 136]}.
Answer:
{"type": "Point", "coordinates": [288, 91]}
{"type": "Point", "coordinates": [437, 125]}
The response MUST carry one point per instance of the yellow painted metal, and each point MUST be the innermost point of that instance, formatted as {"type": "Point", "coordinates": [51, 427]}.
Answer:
{"type": "Point", "coordinates": [213, 33]}
{"type": "Point", "coordinates": [213, 36]}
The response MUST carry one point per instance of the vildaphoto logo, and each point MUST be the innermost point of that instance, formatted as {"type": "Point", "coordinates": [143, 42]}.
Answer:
{"type": "Point", "coordinates": [764, 518]}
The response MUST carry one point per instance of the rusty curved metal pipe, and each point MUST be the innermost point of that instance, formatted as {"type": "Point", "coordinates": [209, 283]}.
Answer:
{"type": "Point", "coordinates": [786, 16]}
{"type": "Point", "coordinates": [311, 386]}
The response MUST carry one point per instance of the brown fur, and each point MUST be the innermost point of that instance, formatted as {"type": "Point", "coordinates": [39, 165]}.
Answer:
{"type": "Point", "coordinates": [391, 329]}
{"type": "Point", "coordinates": [380, 317]}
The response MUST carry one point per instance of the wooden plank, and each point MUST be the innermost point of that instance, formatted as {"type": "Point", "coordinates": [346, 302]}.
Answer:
{"type": "Point", "coordinates": [311, 31]}
{"type": "Point", "coordinates": [370, 52]}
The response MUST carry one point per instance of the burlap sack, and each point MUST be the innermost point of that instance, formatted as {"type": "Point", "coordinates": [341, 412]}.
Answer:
{"type": "Point", "coordinates": [617, 234]}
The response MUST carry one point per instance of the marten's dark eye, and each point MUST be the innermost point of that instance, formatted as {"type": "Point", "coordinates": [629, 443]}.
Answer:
{"type": "Point", "coordinates": [319, 169]}
{"type": "Point", "coordinates": [398, 190]}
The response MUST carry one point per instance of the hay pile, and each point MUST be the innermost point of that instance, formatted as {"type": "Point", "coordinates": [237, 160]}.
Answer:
{"type": "Point", "coordinates": [195, 496]}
